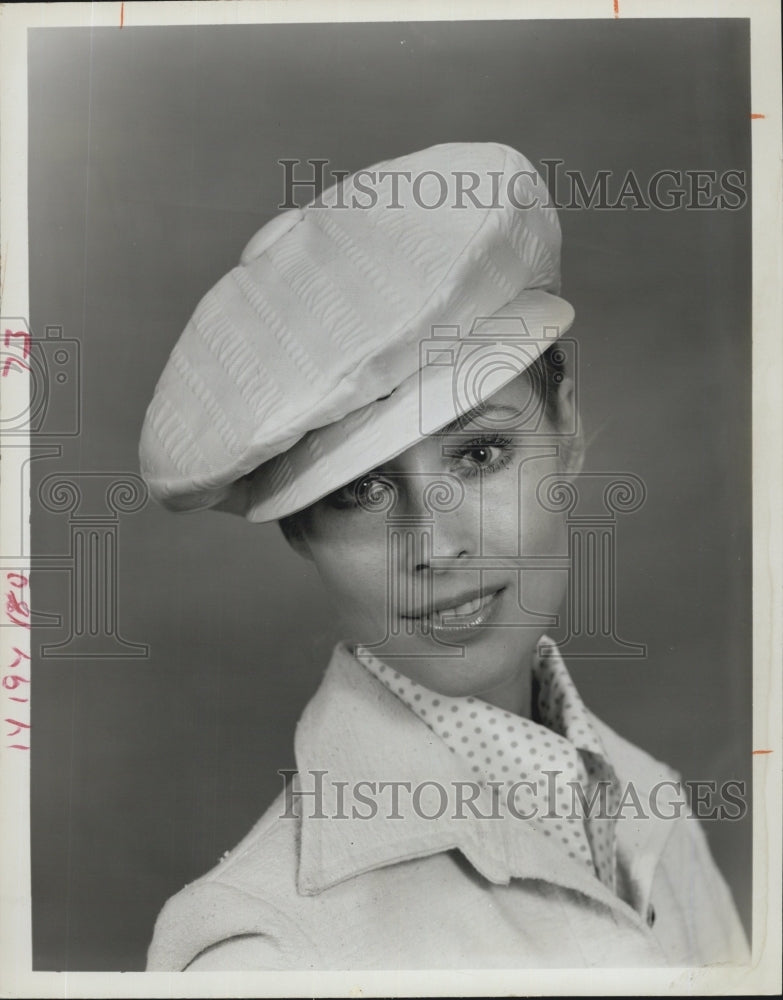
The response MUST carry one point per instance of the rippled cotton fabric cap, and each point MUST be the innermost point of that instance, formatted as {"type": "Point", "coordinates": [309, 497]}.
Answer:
{"type": "Point", "coordinates": [383, 310]}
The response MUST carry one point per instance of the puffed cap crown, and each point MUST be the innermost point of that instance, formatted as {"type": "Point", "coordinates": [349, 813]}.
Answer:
{"type": "Point", "coordinates": [326, 313]}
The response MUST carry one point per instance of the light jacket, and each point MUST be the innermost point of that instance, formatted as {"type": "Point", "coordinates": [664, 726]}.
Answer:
{"type": "Point", "coordinates": [307, 889]}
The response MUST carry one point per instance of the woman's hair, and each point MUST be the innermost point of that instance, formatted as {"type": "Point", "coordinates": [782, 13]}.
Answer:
{"type": "Point", "coordinates": [546, 374]}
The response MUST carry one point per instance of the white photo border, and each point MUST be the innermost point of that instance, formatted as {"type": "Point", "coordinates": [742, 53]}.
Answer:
{"type": "Point", "coordinates": [763, 974]}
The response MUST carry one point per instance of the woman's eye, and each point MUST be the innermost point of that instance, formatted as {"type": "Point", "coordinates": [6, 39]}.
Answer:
{"type": "Point", "coordinates": [484, 456]}
{"type": "Point", "coordinates": [372, 491]}
{"type": "Point", "coordinates": [368, 492]}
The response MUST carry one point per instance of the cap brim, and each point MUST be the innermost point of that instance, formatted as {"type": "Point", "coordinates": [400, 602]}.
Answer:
{"type": "Point", "coordinates": [457, 373]}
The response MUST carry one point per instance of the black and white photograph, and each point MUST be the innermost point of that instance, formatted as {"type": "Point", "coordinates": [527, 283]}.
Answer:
{"type": "Point", "coordinates": [390, 446]}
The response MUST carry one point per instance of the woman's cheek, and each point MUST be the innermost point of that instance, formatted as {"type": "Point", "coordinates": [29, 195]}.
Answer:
{"type": "Point", "coordinates": [541, 531]}
{"type": "Point", "coordinates": [501, 516]}
{"type": "Point", "coordinates": [354, 574]}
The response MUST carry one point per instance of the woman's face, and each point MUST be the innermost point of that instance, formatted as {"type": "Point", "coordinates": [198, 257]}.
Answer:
{"type": "Point", "coordinates": [423, 557]}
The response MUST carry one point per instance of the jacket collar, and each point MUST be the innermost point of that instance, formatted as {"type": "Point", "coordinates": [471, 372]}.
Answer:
{"type": "Point", "coordinates": [355, 730]}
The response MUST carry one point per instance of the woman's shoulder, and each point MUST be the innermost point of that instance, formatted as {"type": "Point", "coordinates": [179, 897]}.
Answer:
{"type": "Point", "coordinates": [630, 761]}
{"type": "Point", "coordinates": [244, 894]}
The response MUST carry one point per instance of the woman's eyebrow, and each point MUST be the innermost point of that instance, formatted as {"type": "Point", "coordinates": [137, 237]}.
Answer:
{"type": "Point", "coordinates": [476, 413]}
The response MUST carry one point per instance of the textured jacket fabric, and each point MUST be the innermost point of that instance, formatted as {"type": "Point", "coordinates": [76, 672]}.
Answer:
{"type": "Point", "coordinates": [309, 890]}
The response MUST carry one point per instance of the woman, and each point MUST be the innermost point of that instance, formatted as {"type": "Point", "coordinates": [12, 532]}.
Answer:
{"type": "Point", "coordinates": [384, 374]}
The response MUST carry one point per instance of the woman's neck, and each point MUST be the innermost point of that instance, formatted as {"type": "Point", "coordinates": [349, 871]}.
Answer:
{"type": "Point", "coordinates": [514, 695]}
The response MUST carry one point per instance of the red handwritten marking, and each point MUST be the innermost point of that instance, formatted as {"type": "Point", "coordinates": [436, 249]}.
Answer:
{"type": "Point", "coordinates": [25, 340]}
{"type": "Point", "coordinates": [10, 361]}
{"type": "Point", "coordinates": [122, 14]}
{"type": "Point", "coordinates": [14, 608]}
{"type": "Point", "coordinates": [762, 751]}
{"type": "Point", "coordinates": [12, 681]}
{"type": "Point", "coordinates": [19, 726]}
{"type": "Point", "coordinates": [616, 8]}
{"type": "Point", "coordinates": [758, 116]}
{"type": "Point", "coordinates": [19, 656]}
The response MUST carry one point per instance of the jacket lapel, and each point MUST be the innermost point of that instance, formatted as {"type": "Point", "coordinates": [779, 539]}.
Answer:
{"type": "Point", "coordinates": [355, 731]}
{"type": "Point", "coordinates": [641, 833]}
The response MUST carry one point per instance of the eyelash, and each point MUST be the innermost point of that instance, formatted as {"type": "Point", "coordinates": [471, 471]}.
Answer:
{"type": "Point", "coordinates": [486, 442]}
{"type": "Point", "coordinates": [346, 497]}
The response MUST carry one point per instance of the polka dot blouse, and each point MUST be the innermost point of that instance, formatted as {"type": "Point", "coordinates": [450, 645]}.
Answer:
{"type": "Point", "coordinates": [549, 762]}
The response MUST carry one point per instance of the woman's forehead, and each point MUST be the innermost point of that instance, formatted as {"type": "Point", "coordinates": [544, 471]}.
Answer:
{"type": "Point", "coordinates": [512, 407]}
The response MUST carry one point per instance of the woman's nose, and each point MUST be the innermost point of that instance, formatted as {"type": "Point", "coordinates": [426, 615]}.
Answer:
{"type": "Point", "coordinates": [443, 517]}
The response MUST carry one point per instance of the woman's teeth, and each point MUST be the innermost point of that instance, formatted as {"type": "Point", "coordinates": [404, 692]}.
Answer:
{"type": "Point", "coordinates": [469, 608]}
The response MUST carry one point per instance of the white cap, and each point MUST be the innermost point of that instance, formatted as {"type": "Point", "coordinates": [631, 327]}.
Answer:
{"type": "Point", "coordinates": [394, 303]}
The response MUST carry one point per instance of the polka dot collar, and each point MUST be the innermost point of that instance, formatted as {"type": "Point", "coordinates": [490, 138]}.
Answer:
{"type": "Point", "coordinates": [540, 765]}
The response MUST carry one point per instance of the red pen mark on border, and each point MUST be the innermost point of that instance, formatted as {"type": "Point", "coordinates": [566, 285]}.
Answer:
{"type": "Point", "coordinates": [757, 116]}
{"type": "Point", "coordinates": [19, 726]}
{"type": "Point", "coordinates": [23, 335]}
{"type": "Point", "coordinates": [16, 610]}
{"type": "Point", "coordinates": [122, 14]}
{"type": "Point", "coordinates": [9, 340]}
{"type": "Point", "coordinates": [616, 8]}
{"type": "Point", "coordinates": [19, 655]}
{"type": "Point", "coordinates": [16, 682]}
{"type": "Point", "coordinates": [10, 361]}
{"type": "Point", "coordinates": [761, 751]}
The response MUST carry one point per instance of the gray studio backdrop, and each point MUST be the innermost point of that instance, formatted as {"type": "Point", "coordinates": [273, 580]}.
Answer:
{"type": "Point", "coordinates": [153, 159]}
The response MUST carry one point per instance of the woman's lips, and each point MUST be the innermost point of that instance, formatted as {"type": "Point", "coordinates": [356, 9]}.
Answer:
{"type": "Point", "coordinates": [460, 620]}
